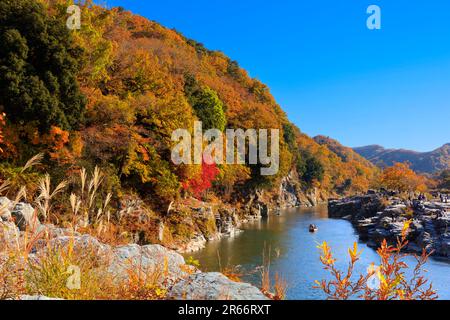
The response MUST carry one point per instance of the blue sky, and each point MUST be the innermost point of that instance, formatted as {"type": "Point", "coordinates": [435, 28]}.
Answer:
{"type": "Point", "coordinates": [330, 73]}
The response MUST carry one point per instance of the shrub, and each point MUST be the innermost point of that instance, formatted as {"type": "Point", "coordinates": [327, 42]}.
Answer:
{"type": "Point", "coordinates": [393, 283]}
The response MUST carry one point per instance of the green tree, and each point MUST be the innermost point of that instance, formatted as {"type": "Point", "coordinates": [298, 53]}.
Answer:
{"type": "Point", "coordinates": [309, 168]}
{"type": "Point", "coordinates": [38, 66]}
{"type": "Point", "coordinates": [206, 104]}
{"type": "Point", "coordinates": [289, 136]}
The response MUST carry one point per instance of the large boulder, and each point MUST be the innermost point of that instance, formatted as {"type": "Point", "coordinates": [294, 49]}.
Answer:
{"type": "Point", "coordinates": [150, 259]}
{"type": "Point", "coordinates": [84, 244]}
{"type": "Point", "coordinates": [213, 286]}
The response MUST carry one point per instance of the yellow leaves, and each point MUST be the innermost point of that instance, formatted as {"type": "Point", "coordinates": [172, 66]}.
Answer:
{"type": "Point", "coordinates": [354, 254]}
{"type": "Point", "coordinates": [400, 177]}
{"type": "Point", "coordinates": [326, 257]}
{"type": "Point", "coordinates": [406, 228]}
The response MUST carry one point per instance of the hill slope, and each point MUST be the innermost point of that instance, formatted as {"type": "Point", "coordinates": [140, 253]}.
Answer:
{"type": "Point", "coordinates": [424, 162]}
{"type": "Point", "coordinates": [345, 153]}
{"type": "Point", "coordinates": [141, 81]}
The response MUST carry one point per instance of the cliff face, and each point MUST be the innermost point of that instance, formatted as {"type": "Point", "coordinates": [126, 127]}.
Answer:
{"type": "Point", "coordinates": [424, 162]}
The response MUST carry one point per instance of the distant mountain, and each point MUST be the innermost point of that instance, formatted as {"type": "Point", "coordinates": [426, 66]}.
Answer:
{"type": "Point", "coordinates": [424, 162]}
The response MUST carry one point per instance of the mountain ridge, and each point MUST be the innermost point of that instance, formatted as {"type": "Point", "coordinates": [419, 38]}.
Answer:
{"type": "Point", "coordinates": [423, 162]}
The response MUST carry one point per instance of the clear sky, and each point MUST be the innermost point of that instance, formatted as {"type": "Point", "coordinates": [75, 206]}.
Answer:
{"type": "Point", "coordinates": [330, 73]}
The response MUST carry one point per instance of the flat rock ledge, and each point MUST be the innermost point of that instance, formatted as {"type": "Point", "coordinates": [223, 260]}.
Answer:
{"type": "Point", "coordinates": [376, 216]}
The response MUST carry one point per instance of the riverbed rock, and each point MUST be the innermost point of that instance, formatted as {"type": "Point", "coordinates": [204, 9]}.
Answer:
{"type": "Point", "coordinates": [214, 286]}
{"type": "Point", "coordinates": [358, 207]}
{"type": "Point", "coordinates": [196, 243]}
{"type": "Point", "coordinates": [378, 217]}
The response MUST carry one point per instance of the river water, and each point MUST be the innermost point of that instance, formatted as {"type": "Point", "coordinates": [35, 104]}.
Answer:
{"type": "Point", "coordinates": [294, 254]}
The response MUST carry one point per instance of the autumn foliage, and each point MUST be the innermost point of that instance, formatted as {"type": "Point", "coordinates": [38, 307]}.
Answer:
{"type": "Point", "coordinates": [135, 82]}
{"type": "Point", "coordinates": [401, 178]}
{"type": "Point", "coordinates": [388, 281]}
{"type": "Point", "coordinates": [199, 184]}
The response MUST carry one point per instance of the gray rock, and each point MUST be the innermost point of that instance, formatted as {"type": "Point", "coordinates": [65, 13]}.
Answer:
{"type": "Point", "coordinates": [358, 207]}
{"type": "Point", "coordinates": [213, 286]}
{"type": "Point", "coordinates": [288, 197]}
{"type": "Point", "coordinates": [24, 216]}
{"type": "Point", "coordinates": [150, 258]}
{"type": "Point", "coordinates": [196, 243]}
{"type": "Point", "coordinates": [85, 243]}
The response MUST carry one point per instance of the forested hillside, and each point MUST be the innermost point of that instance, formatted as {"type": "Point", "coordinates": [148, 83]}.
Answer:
{"type": "Point", "coordinates": [111, 94]}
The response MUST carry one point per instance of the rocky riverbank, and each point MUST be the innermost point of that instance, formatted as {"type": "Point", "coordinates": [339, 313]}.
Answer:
{"type": "Point", "coordinates": [192, 223]}
{"type": "Point", "coordinates": [378, 216]}
{"type": "Point", "coordinates": [18, 224]}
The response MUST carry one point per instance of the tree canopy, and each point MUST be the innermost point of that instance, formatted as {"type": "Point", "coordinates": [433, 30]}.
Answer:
{"type": "Point", "coordinates": [38, 68]}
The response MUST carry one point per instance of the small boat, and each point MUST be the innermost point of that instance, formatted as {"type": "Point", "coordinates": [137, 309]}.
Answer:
{"type": "Point", "coordinates": [313, 228]}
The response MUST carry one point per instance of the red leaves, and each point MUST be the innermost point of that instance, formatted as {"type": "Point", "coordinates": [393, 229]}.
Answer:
{"type": "Point", "coordinates": [202, 182]}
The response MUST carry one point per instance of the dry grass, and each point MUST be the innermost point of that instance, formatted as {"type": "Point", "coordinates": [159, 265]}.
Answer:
{"type": "Point", "coordinates": [46, 195]}
{"type": "Point", "coordinates": [277, 289]}
{"type": "Point", "coordinates": [49, 272]}
{"type": "Point", "coordinates": [143, 283]}
{"type": "Point", "coordinates": [280, 287]}
{"type": "Point", "coordinates": [234, 273]}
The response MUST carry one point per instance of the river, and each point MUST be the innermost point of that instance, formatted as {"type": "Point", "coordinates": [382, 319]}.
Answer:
{"type": "Point", "coordinates": [294, 253]}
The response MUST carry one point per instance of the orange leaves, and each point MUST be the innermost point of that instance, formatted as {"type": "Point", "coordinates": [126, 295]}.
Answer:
{"type": "Point", "coordinates": [55, 141]}
{"type": "Point", "coordinates": [391, 280]}
{"type": "Point", "coordinates": [401, 178]}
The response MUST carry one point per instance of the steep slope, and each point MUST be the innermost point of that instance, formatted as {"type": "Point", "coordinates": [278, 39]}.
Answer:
{"type": "Point", "coordinates": [424, 162]}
